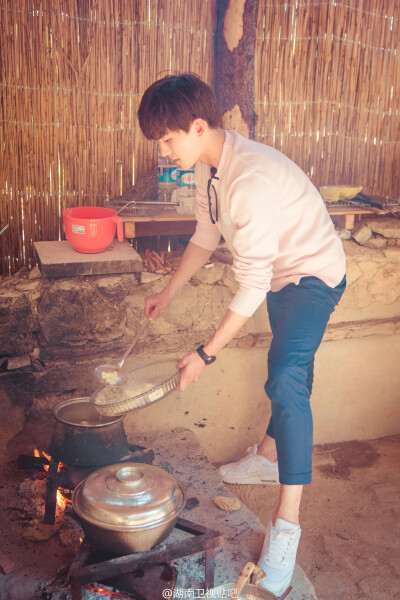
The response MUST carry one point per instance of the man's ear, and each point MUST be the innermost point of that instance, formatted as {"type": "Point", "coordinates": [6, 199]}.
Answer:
{"type": "Point", "coordinates": [199, 126]}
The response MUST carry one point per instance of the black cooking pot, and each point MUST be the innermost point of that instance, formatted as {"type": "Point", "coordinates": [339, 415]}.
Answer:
{"type": "Point", "coordinates": [82, 437]}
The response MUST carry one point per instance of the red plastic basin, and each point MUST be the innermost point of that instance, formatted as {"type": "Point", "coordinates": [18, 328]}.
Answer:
{"type": "Point", "coordinates": [91, 229]}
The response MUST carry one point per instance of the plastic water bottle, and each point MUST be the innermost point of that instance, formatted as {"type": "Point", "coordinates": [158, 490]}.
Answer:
{"type": "Point", "coordinates": [167, 178]}
{"type": "Point", "coordinates": [186, 192]}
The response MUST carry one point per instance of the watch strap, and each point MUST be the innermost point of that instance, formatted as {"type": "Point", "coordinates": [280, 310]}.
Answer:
{"type": "Point", "coordinates": [207, 359]}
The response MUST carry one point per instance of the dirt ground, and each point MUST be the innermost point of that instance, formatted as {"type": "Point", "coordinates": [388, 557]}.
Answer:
{"type": "Point", "coordinates": [350, 518]}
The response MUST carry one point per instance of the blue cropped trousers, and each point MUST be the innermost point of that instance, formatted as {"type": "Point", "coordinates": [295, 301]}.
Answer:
{"type": "Point", "coordinates": [298, 316]}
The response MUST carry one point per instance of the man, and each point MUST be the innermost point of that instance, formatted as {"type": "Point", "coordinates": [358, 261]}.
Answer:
{"type": "Point", "coordinates": [284, 246]}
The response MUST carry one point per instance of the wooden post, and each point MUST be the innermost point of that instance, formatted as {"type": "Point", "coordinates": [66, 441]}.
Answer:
{"type": "Point", "coordinates": [234, 63]}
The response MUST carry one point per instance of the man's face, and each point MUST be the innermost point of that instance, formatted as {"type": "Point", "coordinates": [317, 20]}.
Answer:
{"type": "Point", "coordinates": [181, 147]}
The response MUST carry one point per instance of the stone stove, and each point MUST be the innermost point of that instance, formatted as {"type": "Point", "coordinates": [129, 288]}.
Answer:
{"type": "Point", "coordinates": [178, 452]}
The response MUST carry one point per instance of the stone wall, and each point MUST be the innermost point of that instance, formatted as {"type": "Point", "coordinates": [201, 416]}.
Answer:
{"type": "Point", "coordinates": [53, 332]}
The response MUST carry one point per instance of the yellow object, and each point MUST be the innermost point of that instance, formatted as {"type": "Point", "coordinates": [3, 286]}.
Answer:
{"type": "Point", "coordinates": [333, 193]}
{"type": "Point", "coordinates": [227, 503]}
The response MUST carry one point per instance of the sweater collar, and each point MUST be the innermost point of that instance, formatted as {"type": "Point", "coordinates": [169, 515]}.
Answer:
{"type": "Point", "coordinates": [226, 150]}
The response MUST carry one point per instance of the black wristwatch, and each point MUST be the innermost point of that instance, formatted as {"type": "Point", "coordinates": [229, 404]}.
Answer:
{"type": "Point", "coordinates": [207, 359]}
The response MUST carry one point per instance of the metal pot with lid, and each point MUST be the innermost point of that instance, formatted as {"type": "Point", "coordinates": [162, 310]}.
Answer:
{"type": "Point", "coordinates": [128, 508]}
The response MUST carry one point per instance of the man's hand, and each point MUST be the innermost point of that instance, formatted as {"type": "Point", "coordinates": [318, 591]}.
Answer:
{"type": "Point", "coordinates": [193, 367]}
{"type": "Point", "coordinates": [193, 259]}
{"type": "Point", "coordinates": [154, 305]}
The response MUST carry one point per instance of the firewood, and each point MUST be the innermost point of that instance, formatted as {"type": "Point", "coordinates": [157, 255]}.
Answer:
{"type": "Point", "coordinates": [156, 255]}
{"type": "Point", "coordinates": [155, 258]}
{"type": "Point", "coordinates": [152, 265]}
{"type": "Point", "coordinates": [167, 263]}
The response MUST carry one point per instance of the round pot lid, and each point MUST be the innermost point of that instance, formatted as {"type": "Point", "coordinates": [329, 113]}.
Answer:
{"type": "Point", "coordinates": [129, 496]}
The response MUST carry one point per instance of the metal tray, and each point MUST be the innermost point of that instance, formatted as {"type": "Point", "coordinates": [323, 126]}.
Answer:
{"type": "Point", "coordinates": [146, 385]}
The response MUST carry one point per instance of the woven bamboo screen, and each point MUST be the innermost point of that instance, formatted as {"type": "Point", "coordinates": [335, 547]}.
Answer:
{"type": "Point", "coordinates": [328, 87]}
{"type": "Point", "coordinates": [72, 74]}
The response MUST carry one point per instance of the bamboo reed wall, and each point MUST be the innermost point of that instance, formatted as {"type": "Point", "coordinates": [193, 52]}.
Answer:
{"type": "Point", "coordinates": [72, 74]}
{"type": "Point", "coordinates": [327, 94]}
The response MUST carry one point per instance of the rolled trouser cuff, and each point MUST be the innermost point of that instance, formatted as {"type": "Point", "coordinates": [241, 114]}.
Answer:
{"type": "Point", "coordinates": [298, 479]}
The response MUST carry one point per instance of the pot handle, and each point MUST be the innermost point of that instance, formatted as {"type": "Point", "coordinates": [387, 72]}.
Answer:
{"type": "Point", "coordinates": [243, 579]}
{"type": "Point", "coordinates": [120, 228]}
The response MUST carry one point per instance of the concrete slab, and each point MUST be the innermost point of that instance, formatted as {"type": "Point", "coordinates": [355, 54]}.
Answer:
{"type": "Point", "coordinates": [59, 259]}
{"type": "Point", "coordinates": [178, 452]}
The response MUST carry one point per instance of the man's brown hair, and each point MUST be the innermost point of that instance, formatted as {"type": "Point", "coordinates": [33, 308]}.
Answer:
{"type": "Point", "coordinates": [173, 102]}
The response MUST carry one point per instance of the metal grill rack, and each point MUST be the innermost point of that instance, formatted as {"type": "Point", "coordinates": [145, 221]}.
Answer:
{"type": "Point", "coordinates": [91, 566]}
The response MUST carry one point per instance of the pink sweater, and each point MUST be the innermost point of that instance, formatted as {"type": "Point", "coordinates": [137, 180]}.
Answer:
{"type": "Point", "coordinates": [272, 218]}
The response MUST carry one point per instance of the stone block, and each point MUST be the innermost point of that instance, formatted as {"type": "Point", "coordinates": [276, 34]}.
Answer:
{"type": "Point", "coordinates": [115, 286]}
{"type": "Point", "coordinates": [11, 415]}
{"type": "Point", "coordinates": [75, 313]}
{"type": "Point", "coordinates": [19, 387]}
{"type": "Point", "coordinates": [377, 242]}
{"type": "Point", "coordinates": [210, 276]}
{"type": "Point", "coordinates": [15, 323]}
{"type": "Point", "coordinates": [389, 228]}
{"type": "Point", "coordinates": [149, 277]}
{"type": "Point", "coordinates": [35, 273]}
{"type": "Point", "coordinates": [18, 362]}
{"type": "Point", "coordinates": [345, 234]}
{"type": "Point", "coordinates": [361, 234]}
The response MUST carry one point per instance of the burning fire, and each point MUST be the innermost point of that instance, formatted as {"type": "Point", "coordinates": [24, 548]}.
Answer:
{"type": "Point", "coordinates": [62, 501]}
{"type": "Point", "coordinates": [107, 593]}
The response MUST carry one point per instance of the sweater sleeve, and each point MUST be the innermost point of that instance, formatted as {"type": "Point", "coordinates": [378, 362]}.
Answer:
{"type": "Point", "coordinates": [207, 234]}
{"type": "Point", "coordinates": [254, 212]}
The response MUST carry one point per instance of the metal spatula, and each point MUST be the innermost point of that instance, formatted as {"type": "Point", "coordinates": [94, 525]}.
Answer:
{"type": "Point", "coordinates": [109, 374]}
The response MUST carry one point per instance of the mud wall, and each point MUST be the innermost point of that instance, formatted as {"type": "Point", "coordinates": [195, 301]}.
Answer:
{"type": "Point", "coordinates": [54, 331]}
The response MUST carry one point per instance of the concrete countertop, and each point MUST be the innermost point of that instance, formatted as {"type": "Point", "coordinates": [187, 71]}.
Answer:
{"type": "Point", "coordinates": [179, 453]}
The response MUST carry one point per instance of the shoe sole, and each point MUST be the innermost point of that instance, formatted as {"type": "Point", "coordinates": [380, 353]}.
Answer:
{"type": "Point", "coordinates": [279, 593]}
{"type": "Point", "coordinates": [256, 479]}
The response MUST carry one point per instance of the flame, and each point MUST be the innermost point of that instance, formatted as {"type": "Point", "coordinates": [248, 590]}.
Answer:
{"type": "Point", "coordinates": [48, 458]}
{"type": "Point", "coordinates": [62, 501]}
{"type": "Point", "coordinates": [41, 455]}
{"type": "Point", "coordinates": [104, 592]}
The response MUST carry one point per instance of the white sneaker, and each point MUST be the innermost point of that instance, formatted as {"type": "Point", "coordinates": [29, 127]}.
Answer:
{"type": "Point", "coordinates": [252, 468]}
{"type": "Point", "coordinates": [278, 556]}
